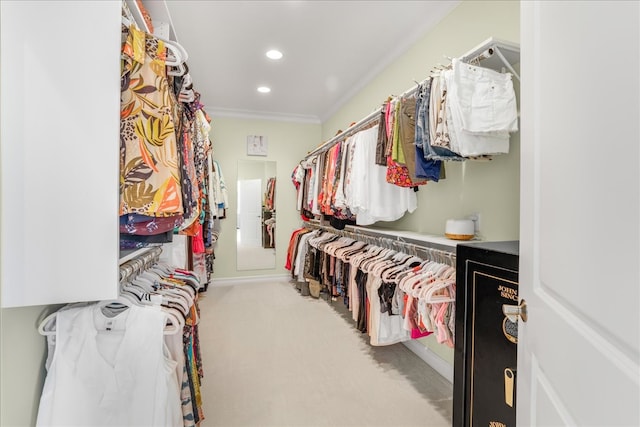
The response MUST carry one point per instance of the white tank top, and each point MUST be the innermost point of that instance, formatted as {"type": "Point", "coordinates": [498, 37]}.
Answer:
{"type": "Point", "coordinates": [117, 377]}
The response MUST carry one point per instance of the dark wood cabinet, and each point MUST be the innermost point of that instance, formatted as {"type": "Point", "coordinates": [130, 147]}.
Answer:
{"type": "Point", "coordinates": [485, 357]}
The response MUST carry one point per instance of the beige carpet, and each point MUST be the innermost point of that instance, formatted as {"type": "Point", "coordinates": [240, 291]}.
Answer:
{"type": "Point", "coordinates": [275, 358]}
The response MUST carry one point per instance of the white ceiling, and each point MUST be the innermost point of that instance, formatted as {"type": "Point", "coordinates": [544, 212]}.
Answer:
{"type": "Point", "coordinates": [331, 50]}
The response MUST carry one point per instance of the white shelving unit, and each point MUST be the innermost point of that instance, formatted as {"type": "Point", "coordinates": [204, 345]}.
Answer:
{"type": "Point", "coordinates": [495, 54]}
{"type": "Point", "coordinates": [162, 24]}
{"type": "Point", "coordinates": [430, 240]}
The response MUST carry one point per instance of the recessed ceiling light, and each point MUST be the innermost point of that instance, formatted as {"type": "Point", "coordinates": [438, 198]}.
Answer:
{"type": "Point", "coordinates": [274, 54]}
{"type": "Point", "coordinates": [264, 89]}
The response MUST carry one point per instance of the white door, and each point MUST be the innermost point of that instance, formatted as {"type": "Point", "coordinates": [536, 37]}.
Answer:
{"type": "Point", "coordinates": [578, 353]}
{"type": "Point", "coordinates": [249, 211]}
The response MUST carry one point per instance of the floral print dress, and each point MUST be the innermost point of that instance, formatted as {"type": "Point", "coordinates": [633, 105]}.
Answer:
{"type": "Point", "coordinates": [149, 158]}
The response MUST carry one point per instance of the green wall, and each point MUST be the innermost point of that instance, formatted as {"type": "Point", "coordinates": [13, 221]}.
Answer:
{"type": "Point", "coordinates": [288, 142]}
{"type": "Point", "coordinates": [22, 355]}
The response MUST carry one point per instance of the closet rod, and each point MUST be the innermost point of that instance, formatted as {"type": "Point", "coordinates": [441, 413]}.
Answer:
{"type": "Point", "coordinates": [139, 263]}
{"type": "Point", "coordinates": [347, 133]}
{"type": "Point", "coordinates": [415, 245]}
{"type": "Point", "coordinates": [407, 241]}
{"type": "Point", "coordinates": [373, 116]}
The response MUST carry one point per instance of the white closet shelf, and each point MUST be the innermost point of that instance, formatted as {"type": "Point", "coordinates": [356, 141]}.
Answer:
{"type": "Point", "coordinates": [128, 255]}
{"type": "Point", "coordinates": [435, 241]}
{"type": "Point", "coordinates": [412, 237]}
{"type": "Point", "coordinates": [495, 54]}
{"type": "Point", "coordinates": [159, 13]}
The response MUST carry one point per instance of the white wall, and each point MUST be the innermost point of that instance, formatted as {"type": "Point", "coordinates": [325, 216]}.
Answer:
{"type": "Point", "coordinates": [490, 188]}
{"type": "Point", "coordinates": [288, 143]}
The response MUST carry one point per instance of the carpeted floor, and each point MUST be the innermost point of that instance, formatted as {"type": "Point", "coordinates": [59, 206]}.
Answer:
{"type": "Point", "coordinates": [275, 358]}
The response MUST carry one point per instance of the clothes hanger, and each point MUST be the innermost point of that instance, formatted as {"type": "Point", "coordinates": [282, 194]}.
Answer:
{"type": "Point", "coordinates": [151, 275]}
{"type": "Point", "coordinates": [144, 282]}
{"type": "Point", "coordinates": [186, 97]}
{"type": "Point", "coordinates": [430, 295]}
{"type": "Point", "coordinates": [424, 273]}
{"type": "Point", "coordinates": [184, 292]}
{"type": "Point", "coordinates": [429, 273]}
{"type": "Point", "coordinates": [403, 275]}
{"type": "Point", "coordinates": [388, 274]}
{"type": "Point", "coordinates": [179, 53]}
{"type": "Point", "coordinates": [176, 70]}
{"type": "Point", "coordinates": [175, 325]}
{"type": "Point", "coordinates": [372, 252]}
{"type": "Point", "coordinates": [135, 287]}
{"type": "Point", "coordinates": [112, 308]}
{"type": "Point", "coordinates": [174, 316]}
{"type": "Point", "coordinates": [383, 266]}
{"type": "Point", "coordinates": [144, 293]}
{"type": "Point", "coordinates": [177, 302]}
{"type": "Point", "coordinates": [190, 284]}
{"type": "Point", "coordinates": [177, 285]}
{"type": "Point", "coordinates": [373, 263]}
{"type": "Point", "coordinates": [393, 258]}
{"type": "Point", "coordinates": [404, 278]}
{"type": "Point", "coordinates": [345, 253]}
{"type": "Point", "coordinates": [136, 296]}
{"type": "Point", "coordinates": [369, 263]}
{"type": "Point", "coordinates": [47, 322]}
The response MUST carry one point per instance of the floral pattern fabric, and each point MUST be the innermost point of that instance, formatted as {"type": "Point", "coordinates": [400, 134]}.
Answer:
{"type": "Point", "coordinates": [149, 162]}
{"type": "Point", "coordinates": [398, 174]}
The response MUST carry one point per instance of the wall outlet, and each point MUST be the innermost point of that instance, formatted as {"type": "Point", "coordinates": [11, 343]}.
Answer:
{"type": "Point", "coordinates": [475, 217]}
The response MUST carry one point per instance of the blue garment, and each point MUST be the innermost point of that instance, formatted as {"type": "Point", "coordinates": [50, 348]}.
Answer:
{"type": "Point", "coordinates": [422, 127]}
{"type": "Point", "coordinates": [427, 169]}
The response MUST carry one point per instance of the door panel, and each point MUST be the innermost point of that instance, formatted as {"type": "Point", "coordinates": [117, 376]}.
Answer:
{"type": "Point", "coordinates": [579, 351]}
{"type": "Point", "coordinates": [548, 409]}
{"type": "Point", "coordinates": [250, 204]}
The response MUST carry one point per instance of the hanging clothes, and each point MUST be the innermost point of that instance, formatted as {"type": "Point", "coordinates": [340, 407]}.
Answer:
{"type": "Point", "coordinates": [464, 112]}
{"type": "Point", "coordinates": [149, 165]}
{"type": "Point", "coordinates": [189, 177]}
{"type": "Point", "coordinates": [435, 146]}
{"type": "Point", "coordinates": [217, 190]}
{"type": "Point", "coordinates": [369, 196]}
{"type": "Point", "coordinates": [110, 370]}
{"type": "Point", "coordinates": [270, 194]}
{"type": "Point", "coordinates": [392, 296]}
{"type": "Point", "coordinates": [119, 330]}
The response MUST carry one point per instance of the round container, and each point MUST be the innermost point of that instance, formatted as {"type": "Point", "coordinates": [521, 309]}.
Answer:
{"type": "Point", "coordinates": [459, 229]}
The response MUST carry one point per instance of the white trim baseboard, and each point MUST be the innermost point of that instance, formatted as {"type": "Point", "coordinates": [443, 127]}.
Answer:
{"type": "Point", "coordinates": [431, 359]}
{"type": "Point", "coordinates": [229, 281]}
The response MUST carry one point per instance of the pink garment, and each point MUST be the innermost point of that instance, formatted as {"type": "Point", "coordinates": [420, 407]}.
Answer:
{"type": "Point", "coordinates": [417, 333]}
{"type": "Point", "coordinates": [197, 242]}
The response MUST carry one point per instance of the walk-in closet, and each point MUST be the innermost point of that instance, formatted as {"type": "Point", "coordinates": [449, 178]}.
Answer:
{"type": "Point", "coordinates": [319, 213]}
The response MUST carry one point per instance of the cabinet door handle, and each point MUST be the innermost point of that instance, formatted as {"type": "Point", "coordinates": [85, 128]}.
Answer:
{"type": "Point", "coordinates": [509, 385]}
{"type": "Point", "coordinates": [513, 312]}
